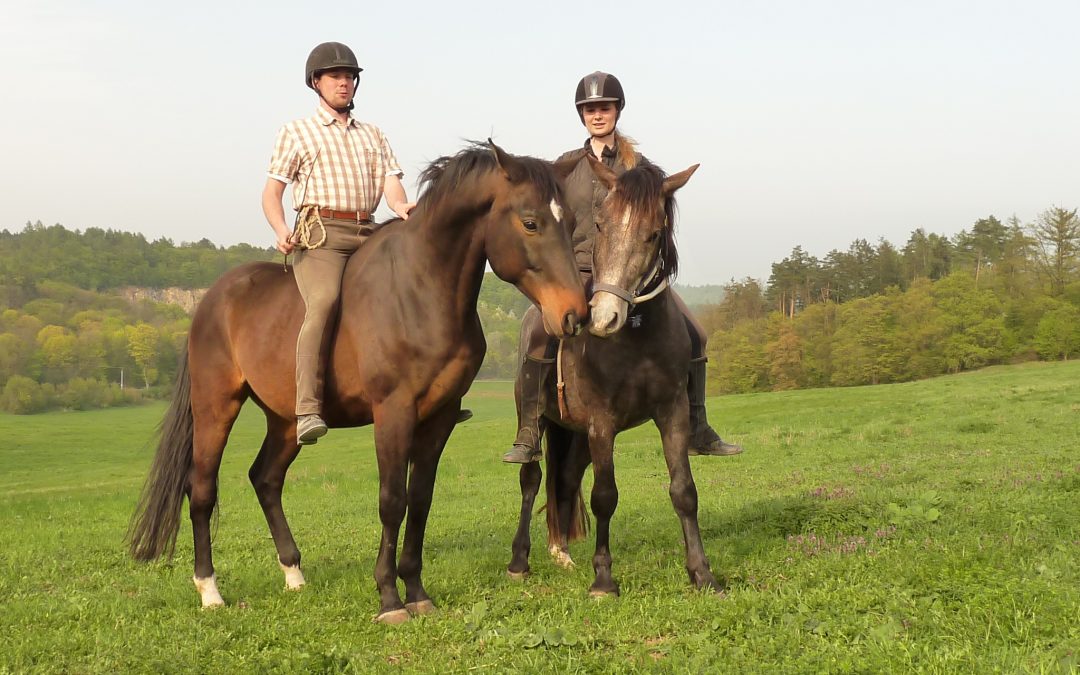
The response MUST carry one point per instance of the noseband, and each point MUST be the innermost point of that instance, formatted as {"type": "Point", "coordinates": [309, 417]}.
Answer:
{"type": "Point", "coordinates": [639, 295]}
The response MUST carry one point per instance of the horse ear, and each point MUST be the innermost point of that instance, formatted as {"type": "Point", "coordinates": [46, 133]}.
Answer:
{"type": "Point", "coordinates": [506, 162]}
{"type": "Point", "coordinates": [673, 183]}
{"type": "Point", "coordinates": [603, 172]}
{"type": "Point", "coordinates": [563, 168]}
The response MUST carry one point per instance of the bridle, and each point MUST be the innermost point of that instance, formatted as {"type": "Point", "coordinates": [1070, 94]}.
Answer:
{"type": "Point", "coordinates": [643, 292]}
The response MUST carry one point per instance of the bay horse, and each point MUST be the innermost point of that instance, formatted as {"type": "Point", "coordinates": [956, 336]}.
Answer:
{"type": "Point", "coordinates": [407, 347]}
{"type": "Point", "coordinates": [617, 376]}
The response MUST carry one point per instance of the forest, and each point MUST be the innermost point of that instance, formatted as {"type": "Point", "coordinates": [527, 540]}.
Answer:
{"type": "Point", "coordinates": [995, 293]}
{"type": "Point", "coordinates": [998, 292]}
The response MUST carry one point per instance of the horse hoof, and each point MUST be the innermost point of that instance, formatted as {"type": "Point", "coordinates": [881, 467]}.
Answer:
{"type": "Point", "coordinates": [517, 576]}
{"type": "Point", "coordinates": [596, 593]}
{"type": "Point", "coordinates": [393, 617]}
{"type": "Point", "coordinates": [422, 608]}
{"type": "Point", "coordinates": [208, 591]}
{"type": "Point", "coordinates": [294, 578]}
{"type": "Point", "coordinates": [561, 558]}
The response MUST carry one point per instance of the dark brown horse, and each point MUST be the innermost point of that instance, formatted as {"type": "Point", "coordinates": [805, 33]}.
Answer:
{"type": "Point", "coordinates": [619, 375]}
{"type": "Point", "coordinates": [407, 347]}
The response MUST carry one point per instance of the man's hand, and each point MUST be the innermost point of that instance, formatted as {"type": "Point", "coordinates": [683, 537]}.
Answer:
{"type": "Point", "coordinates": [402, 209]}
{"type": "Point", "coordinates": [284, 243]}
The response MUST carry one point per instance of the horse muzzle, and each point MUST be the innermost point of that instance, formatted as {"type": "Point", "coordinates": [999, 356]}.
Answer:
{"type": "Point", "coordinates": [608, 314]}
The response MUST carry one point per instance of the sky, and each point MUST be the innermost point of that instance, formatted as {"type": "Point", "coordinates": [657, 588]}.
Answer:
{"type": "Point", "coordinates": [815, 123]}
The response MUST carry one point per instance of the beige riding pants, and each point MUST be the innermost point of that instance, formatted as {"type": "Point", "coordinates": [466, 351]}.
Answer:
{"type": "Point", "coordinates": [318, 274]}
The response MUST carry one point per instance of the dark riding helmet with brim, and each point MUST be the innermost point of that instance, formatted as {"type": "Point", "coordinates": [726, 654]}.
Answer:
{"type": "Point", "coordinates": [327, 56]}
{"type": "Point", "coordinates": [597, 87]}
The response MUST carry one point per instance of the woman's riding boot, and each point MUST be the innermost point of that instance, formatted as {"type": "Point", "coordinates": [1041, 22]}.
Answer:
{"type": "Point", "coordinates": [529, 391]}
{"type": "Point", "coordinates": [703, 439]}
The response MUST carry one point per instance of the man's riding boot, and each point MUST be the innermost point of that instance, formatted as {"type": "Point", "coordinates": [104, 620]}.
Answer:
{"type": "Point", "coordinates": [703, 439]}
{"type": "Point", "coordinates": [529, 393]}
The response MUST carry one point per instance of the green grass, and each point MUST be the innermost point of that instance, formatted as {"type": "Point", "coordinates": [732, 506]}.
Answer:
{"type": "Point", "coordinates": [931, 526]}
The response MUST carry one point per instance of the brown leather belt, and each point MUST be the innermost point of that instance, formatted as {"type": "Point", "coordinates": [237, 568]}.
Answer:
{"type": "Point", "coordinates": [357, 216]}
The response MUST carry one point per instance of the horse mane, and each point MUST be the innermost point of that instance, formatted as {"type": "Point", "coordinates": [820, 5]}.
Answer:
{"type": "Point", "coordinates": [641, 189]}
{"type": "Point", "coordinates": [446, 174]}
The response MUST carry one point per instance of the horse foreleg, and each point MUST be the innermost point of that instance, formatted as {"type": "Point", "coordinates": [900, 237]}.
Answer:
{"type": "Point", "coordinates": [212, 426]}
{"type": "Point", "coordinates": [605, 498]}
{"type": "Point", "coordinates": [267, 476]}
{"type": "Point", "coordinates": [529, 480]}
{"type": "Point", "coordinates": [428, 444]}
{"type": "Point", "coordinates": [674, 425]}
{"type": "Point", "coordinates": [395, 423]}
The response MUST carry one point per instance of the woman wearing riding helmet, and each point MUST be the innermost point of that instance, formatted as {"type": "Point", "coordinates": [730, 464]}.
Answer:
{"type": "Point", "coordinates": [599, 100]}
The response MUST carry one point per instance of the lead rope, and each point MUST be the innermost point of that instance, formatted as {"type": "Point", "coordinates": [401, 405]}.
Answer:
{"type": "Point", "coordinates": [305, 216]}
{"type": "Point", "coordinates": [560, 385]}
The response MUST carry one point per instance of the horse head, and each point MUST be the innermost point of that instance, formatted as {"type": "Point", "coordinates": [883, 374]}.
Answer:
{"type": "Point", "coordinates": [527, 243]}
{"type": "Point", "coordinates": [634, 252]}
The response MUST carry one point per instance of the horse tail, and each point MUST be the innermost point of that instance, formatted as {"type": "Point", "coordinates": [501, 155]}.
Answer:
{"type": "Point", "coordinates": [157, 517]}
{"type": "Point", "coordinates": [560, 488]}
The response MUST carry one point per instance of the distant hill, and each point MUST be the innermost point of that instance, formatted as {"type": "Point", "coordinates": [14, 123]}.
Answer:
{"type": "Point", "coordinates": [709, 294]}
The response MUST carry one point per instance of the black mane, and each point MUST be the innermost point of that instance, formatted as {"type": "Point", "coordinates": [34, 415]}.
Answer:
{"type": "Point", "coordinates": [448, 173]}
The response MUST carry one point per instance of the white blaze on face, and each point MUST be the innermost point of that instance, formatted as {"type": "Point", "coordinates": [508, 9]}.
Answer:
{"type": "Point", "coordinates": [609, 311]}
{"type": "Point", "coordinates": [556, 210]}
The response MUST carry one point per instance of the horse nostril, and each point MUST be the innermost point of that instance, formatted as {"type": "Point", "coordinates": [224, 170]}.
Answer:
{"type": "Point", "coordinates": [570, 323]}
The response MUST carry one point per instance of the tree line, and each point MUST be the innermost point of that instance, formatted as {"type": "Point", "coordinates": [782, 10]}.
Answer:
{"type": "Point", "coordinates": [997, 293]}
{"type": "Point", "coordinates": [69, 340]}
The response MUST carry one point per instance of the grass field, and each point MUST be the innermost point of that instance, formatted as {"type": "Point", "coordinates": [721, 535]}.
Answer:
{"type": "Point", "coordinates": [931, 526]}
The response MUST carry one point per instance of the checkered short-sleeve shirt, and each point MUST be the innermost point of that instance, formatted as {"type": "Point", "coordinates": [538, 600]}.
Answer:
{"type": "Point", "coordinates": [333, 165]}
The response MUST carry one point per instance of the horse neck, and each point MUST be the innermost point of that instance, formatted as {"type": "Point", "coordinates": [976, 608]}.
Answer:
{"type": "Point", "coordinates": [448, 242]}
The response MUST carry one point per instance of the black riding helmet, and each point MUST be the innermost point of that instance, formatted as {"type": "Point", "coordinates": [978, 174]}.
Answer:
{"type": "Point", "coordinates": [327, 56]}
{"type": "Point", "coordinates": [599, 86]}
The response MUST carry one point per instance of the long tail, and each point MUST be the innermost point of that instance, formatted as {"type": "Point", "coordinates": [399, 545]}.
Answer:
{"type": "Point", "coordinates": [560, 488]}
{"type": "Point", "coordinates": [157, 518]}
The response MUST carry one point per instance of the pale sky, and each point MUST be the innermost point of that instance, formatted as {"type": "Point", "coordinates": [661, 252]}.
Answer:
{"type": "Point", "coordinates": [815, 123]}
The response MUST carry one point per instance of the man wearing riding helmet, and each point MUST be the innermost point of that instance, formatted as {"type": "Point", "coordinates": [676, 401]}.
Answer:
{"type": "Point", "coordinates": [340, 169]}
{"type": "Point", "coordinates": [599, 100]}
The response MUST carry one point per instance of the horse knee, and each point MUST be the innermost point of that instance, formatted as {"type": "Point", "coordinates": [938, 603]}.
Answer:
{"type": "Point", "coordinates": [684, 496]}
{"type": "Point", "coordinates": [391, 507]}
{"type": "Point", "coordinates": [268, 491]}
{"type": "Point", "coordinates": [604, 500]}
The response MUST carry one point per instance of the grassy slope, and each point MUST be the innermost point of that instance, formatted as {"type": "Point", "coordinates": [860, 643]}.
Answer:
{"type": "Point", "coordinates": [929, 526]}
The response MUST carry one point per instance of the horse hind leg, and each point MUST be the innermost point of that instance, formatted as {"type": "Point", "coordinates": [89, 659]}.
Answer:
{"type": "Point", "coordinates": [568, 519]}
{"type": "Point", "coordinates": [267, 476]}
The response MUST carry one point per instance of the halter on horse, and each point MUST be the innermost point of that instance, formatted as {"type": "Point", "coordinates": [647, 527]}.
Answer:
{"type": "Point", "coordinates": [406, 350]}
{"type": "Point", "coordinates": [618, 376]}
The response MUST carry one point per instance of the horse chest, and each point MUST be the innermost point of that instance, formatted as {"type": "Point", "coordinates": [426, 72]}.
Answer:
{"type": "Point", "coordinates": [617, 383]}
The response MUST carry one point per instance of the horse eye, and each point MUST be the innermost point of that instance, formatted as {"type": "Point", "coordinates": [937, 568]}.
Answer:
{"type": "Point", "coordinates": [530, 225]}
{"type": "Point", "coordinates": [653, 237]}
{"type": "Point", "coordinates": [599, 226]}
